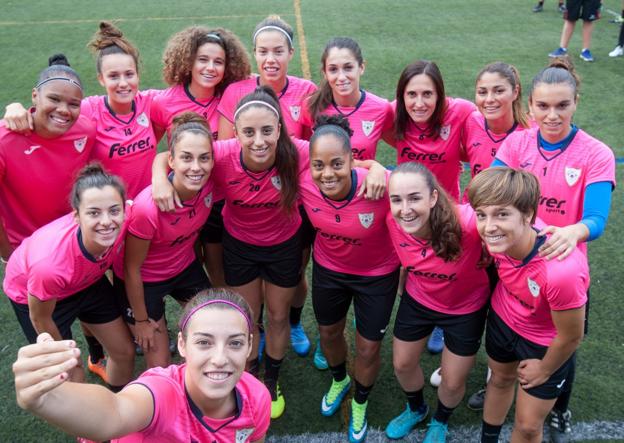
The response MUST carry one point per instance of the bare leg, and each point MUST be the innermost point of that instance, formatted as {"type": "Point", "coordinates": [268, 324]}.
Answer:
{"type": "Point", "coordinates": [116, 339]}
{"type": "Point", "coordinates": [566, 33]}
{"type": "Point", "coordinates": [530, 415]}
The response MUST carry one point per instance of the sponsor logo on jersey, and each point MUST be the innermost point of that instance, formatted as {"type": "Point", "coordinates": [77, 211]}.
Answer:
{"type": "Point", "coordinates": [367, 127]}
{"type": "Point", "coordinates": [367, 219]}
{"type": "Point", "coordinates": [295, 112]}
{"type": "Point", "coordinates": [572, 175]}
{"type": "Point", "coordinates": [143, 120]}
{"type": "Point", "coordinates": [337, 237]}
{"type": "Point", "coordinates": [109, 128]}
{"type": "Point", "coordinates": [276, 182]}
{"type": "Point", "coordinates": [32, 149]}
{"type": "Point", "coordinates": [552, 204]}
{"type": "Point", "coordinates": [243, 434]}
{"type": "Point", "coordinates": [242, 204]}
{"type": "Point", "coordinates": [404, 245]}
{"type": "Point", "coordinates": [233, 182]}
{"type": "Point", "coordinates": [445, 132]}
{"type": "Point", "coordinates": [208, 200]}
{"type": "Point", "coordinates": [476, 145]}
{"type": "Point", "coordinates": [432, 275]}
{"type": "Point", "coordinates": [422, 156]}
{"type": "Point", "coordinates": [80, 144]}
{"type": "Point", "coordinates": [316, 209]}
{"type": "Point", "coordinates": [534, 288]}
{"type": "Point", "coordinates": [138, 146]}
{"type": "Point", "coordinates": [525, 164]}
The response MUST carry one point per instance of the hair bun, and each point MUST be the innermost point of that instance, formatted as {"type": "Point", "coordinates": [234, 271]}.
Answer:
{"type": "Point", "coordinates": [189, 117]}
{"type": "Point", "coordinates": [58, 59]}
{"type": "Point", "coordinates": [93, 168]}
{"type": "Point", "coordinates": [336, 120]}
{"type": "Point", "coordinates": [110, 30]}
{"type": "Point", "coordinates": [561, 62]}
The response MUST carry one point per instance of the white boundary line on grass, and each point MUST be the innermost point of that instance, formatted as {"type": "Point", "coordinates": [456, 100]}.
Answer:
{"type": "Point", "coordinates": [594, 430]}
{"type": "Point", "coordinates": [137, 19]}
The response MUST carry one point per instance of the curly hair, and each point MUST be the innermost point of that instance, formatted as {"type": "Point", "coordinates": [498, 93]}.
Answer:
{"type": "Point", "coordinates": [181, 51]}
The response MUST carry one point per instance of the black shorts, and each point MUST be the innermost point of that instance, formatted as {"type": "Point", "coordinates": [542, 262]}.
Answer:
{"type": "Point", "coordinates": [588, 10]}
{"type": "Point", "coordinates": [278, 264]}
{"type": "Point", "coordinates": [373, 299]}
{"type": "Point", "coordinates": [462, 333]}
{"type": "Point", "coordinates": [212, 231]}
{"type": "Point", "coordinates": [95, 304]}
{"type": "Point", "coordinates": [181, 287]}
{"type": "Point", "coordinates": [504, 345]}
{"type": "Point", "coordinates": [308, 233]}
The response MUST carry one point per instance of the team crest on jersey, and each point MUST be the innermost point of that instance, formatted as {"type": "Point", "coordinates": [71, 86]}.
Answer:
{"type": "Point", "coordinates": [533, 287]}
{"type": "Point", "coordinates": [572, 175]}
{"type": "Point", "coordinates": [143, 120]}
{"type": "Point", "coordinates": [367, 127]}
{"type": "Point", "coordinates": [295, 112]}
{"type": "Point", "coordinates": [80, 144]}
{"type": "Point", "coordinates": [208, 200]}
{"type": "Point", "coordinates": [277, 183]}
{"type": "Point", "coordinates": [243, 434]}
{"type": "Point", "coordinates": [367, 219]}
{"type": "Point", "coordinates": [445, 132]}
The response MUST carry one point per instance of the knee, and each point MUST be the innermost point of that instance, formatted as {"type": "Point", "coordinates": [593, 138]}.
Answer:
{"type": "Point", "coordinates": [528, 428]}
{"type": "Point", "coordinates": [123, 352]}
{"type": "Point", "coordinates": [369, 353]}
{"type": "Point", "coordinates": [403, 364]}
{"type": "Point", "coordinates": [278, 318]}
{"type": "Point", "coordinates": [502, 381]}
{"type": "Point", "coordinates": [330, 334]}
{"type": "Point", "coordinates": [453, 385]}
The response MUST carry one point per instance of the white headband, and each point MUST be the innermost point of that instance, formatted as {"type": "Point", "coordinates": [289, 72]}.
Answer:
{"type": "Point", "coordinates": [275, 28]}
{"type": "Point", "coordinates": [256, 102]}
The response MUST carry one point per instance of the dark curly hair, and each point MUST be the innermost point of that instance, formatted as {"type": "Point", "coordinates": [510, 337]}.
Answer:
{"type": "Point", "coordinates": [181, 51]}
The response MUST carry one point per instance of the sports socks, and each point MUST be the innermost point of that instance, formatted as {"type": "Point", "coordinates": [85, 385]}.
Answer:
{"type": "Point", "coordinates": [361, 392]}
{"type": "Point", "coordinates": [295, 315]}
{"type": "Point", "coordinates": [271, 374]}
{"type": "Point", "coordinates": [339, 372]}
{"type": "Point", "coordinates": [490, 433]}
{"type": "Point", "coordinates": [415, 400]}
{"type": "Point", "coordinates": [96, 351]}
{"type": "Point", "coordinates": [443, 413]}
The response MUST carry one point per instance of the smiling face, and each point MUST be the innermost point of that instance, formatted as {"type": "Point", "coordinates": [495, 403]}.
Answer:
{"type": "Point", "coordinates": [208, 69]}
{"type": "Point", "coordinates": [216, 348]}
{"type": "Point", "coordinates": [504, 229]}
{"type": "Point", "coordinates": [100, 216]}
{"type": "Point", "coordinates": [272, 56]}
{"type": "Point", "coordinates": [494, 97]}
{"type": "Point", "coordinates": [420, 98]}
{"type": "Point", "coordinates": [342, 72]}
{"type": "Point", "coordinates": [57, 107]}
{"type": "Point", "coordinates": [258, 130]}
{"type": "Point", "coordinates": [411, 203]}
{"type": "Point", "coordinates": [552, 107]}
{"type": "Point", "coordinates": [119, 76]}
{"type": "Point", "coordinates": [191, 163]}
{"type": "Point", "coordinates": [330, 166]}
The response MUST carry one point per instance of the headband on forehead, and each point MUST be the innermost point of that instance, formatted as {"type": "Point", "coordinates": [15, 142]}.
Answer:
{"type": "Point", "coordinates": [72, 81]}
{"type": "Point", "coordinates": [192, 312]}
{"type": "Point", "coordinates": [273, 28]}
{"type": "Point", "coordinates": [256, 102]}
{"type": "Point", "coordinates": [215, 36]}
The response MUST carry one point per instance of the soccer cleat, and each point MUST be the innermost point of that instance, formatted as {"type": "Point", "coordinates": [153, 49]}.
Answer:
{"type": "Point", "coordinates": [559, 52]}
{"type": "Point", "coordinates": [617, 52]}
{"type": "Point", "coordinates": [401, 425]}
{"type": "Point", "coordinates": [477, 400]}
{"type": "Point", "coordinates": [98, 368]}
{"type": "Point", "coordinates": [587, 55]}
{"type": "Point", "coordinates": [560, 427]}
{"type": "Point", "coordinates": [538, 8]}
{"type": "Point", "coordinates": [261, 346]}
{"type": "Point", "coordinates": [337, 391]}
{"type": "Point", "coordinates": [299, 340]}
{"type": "Point", "coordinates": [436, 378]}
{"type": "Point", "coordinates": [562, 8]}
{"type": "Point", "coordinates": [278, 405]}
{"type": "Point", "coordinates": [320, 362]}
{"type": "Point", "coordinates": [358, 426]}
{"type": "Point", "coordinates": [435, 344]}
{"type": "Point", "coordinates": [618, 19]}
{"type": "Point", "coordinates": [437, 432]}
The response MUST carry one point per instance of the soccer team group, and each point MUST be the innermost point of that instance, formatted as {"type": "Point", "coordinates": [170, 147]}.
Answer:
{"type": "Point", "coordinates": [263, 173]}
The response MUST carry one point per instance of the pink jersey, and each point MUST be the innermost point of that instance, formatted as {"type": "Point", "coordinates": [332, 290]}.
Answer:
{"type": "Point", "coordinates": [177, 419]}
{"type": "Point", "coordinates": [252, 211]}
{"type": "Point", "coordinates": [126, 145]}
{"type": "Point", "coordinates": [563, 176]}
{"type": "Point", "coordinates": [457, 287]}
{"type": "Point", "coordinates": [178, 99]}
{"type": "Point", "coordinates": [528, 292]}
{"type": "Point", "coordinates": [442, 155]}
{"type": "Point", "coordinates": [369, 119]}
{"type": "Point", "coordinates": [37, 174]}
{"type": "Point", "coordinates": [351, 235]}
{"type": "Point", "coordinates": [480, 145]}
{"type": "Point", "coordinates": [53, 263]}
{"type": "Point", "coordinates": [290, 98]}
{"type": "Point", "coordinates": [172, 235]}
